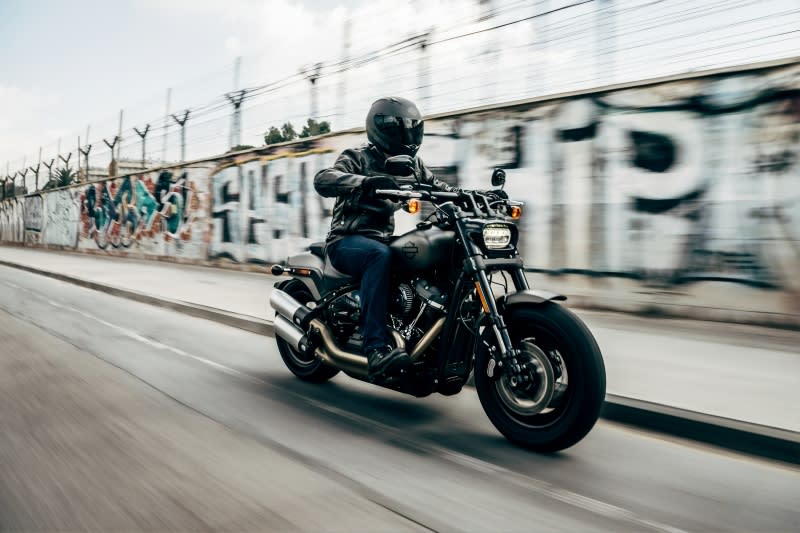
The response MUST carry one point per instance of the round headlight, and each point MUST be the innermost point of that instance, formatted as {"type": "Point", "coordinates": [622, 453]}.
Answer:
{"type": "Point", "coordinates": [496, 236]}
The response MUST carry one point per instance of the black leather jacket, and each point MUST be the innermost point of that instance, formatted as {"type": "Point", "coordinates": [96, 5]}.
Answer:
{"type": "Point", "coordinates": [354, 213]}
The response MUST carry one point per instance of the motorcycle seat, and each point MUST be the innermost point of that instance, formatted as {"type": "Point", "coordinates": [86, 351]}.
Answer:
{"type": "Point", "coordinates": [333, 279]}
{"type": "Point", "coordinates": [318, 249]}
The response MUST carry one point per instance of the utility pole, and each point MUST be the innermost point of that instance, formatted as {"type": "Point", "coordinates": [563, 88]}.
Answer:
{"type": "Point", "coordinates": [424, 69]}
{"type": "Point", "coordinates": [491, 52]}
{"type": "Point", "coordinates": [143, 135]}
{"type": "Point", "coordinates": [605, 33]}
{"type": "Point", "coordinates": [182, 123]}
{"type": "Point", "coordinates": [166, 125]}
{"type": "Point", "coordinates": [537, 78]}
{"type": "Point", "coordinates": [236, 98]}
{"type": "Point", "coordinates": [313, 75]}
{"type": "Point", "coordinates": [113, 169]}
{"type": "Point", "coordinates": [342, 96]}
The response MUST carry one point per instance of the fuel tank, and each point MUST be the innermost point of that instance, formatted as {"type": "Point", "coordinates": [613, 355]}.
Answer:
{"type": "Point", "coordinates": [421, 249]}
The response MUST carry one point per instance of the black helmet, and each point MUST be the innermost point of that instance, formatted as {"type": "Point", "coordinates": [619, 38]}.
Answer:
{"type": "Point", "coordinates": [395, 126]}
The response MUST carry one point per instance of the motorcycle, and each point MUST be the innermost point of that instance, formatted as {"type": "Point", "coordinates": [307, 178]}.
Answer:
{"type": "Point", "coordinates": [537, 369]}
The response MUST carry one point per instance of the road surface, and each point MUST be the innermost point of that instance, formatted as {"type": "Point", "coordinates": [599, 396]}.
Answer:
{"type": "Point", "coordinates": [196, 447]}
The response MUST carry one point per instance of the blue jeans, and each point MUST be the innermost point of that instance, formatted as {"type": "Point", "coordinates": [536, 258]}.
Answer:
{"type": "Point", "coordinates": [370, 261]}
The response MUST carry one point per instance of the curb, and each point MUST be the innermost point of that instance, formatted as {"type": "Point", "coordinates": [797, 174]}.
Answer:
{"type": "Point", "coordinates": [248, 323]}
{"type": "Point", "coordinates": [743, 437]}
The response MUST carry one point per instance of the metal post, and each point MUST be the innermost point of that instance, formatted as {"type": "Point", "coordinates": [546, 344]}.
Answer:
{"type": "Point", "coordinates": [119, 146]}
{"type": "Point", "coordinates": [182, 123]}
{"type": "Point", "coordinates": [49, 167]}
{"type": "Point", "coordinates": [111, 165]}
{"type": "Point", "coordinates": [143, 135]}
{"type": "Point", "coordinates": [35, 171]}
{"type": "Point", "coordinates": [86, 156]}
{"type": "Point", "coordinates": [166, 125]}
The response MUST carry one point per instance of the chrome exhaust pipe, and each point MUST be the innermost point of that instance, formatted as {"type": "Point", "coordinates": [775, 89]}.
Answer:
{"type": "Point", "coordinates": [351, 363]}
{"type": "Point", "coordinates": [287, 331]}
{"type": "Point", "coordinates": [427, 339]}
{"type": "Point", "coordinates": [286, 305]}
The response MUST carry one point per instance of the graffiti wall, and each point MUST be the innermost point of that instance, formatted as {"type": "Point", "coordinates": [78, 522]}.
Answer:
{"type": "Point", "coordinates": [672, 188]}
{"type": "Point", "coordinates": [266, 208]}
{"type": "Point", "coordinates": [12, 227]}
{"type": "Point", "coordinates": [162, 213]}
{"type": "Point", "coordinates": [62, 217]}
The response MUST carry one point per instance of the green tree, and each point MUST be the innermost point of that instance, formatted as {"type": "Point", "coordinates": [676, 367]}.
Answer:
{"type": "Point", "coordinates": [313, 127]}
{"type": "Point", "coordinates": [285, 134]}
{"type": "Point", "coordinates": [61, 178]}
{"type": "Point", "coordinates": [240, 147]}
{"type": "Point", "coordinates": [288, 132]}
{"type": "Point", "coordinates": [273, 136]}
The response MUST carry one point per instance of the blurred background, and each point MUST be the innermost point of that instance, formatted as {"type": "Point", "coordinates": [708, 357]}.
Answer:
{"type": "Point", "coordinates": [95, 70]}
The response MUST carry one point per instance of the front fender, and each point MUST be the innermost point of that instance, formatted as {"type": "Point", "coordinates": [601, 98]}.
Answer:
{"type": "Point", "coordinates": [529, 296]}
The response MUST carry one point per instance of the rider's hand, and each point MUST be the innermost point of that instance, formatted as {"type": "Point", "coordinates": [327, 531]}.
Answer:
{"type": "Point", "coordinates": [373, 183]}
{"type": "Point", "coordinates": [498, 194]}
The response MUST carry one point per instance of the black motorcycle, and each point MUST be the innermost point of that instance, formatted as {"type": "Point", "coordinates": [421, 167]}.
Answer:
{"type": "Point", "coordinates": [538, 371]}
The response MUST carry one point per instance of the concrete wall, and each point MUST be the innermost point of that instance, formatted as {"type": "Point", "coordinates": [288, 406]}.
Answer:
{"type": "Point", "coordinates": [679, 197]}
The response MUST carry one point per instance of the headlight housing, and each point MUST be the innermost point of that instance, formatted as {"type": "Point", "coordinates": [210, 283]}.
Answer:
{"type": "Point", "coordinates": [496, 236]}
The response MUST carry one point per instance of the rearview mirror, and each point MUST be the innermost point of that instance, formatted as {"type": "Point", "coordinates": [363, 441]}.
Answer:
{"type": "Point", "coordinates": [400, 165]}
{"type": "Point", "coordinates": [498, 177]}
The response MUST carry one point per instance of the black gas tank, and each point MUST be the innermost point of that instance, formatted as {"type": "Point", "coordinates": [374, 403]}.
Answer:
{"type": "Point", "coordinates": [421, 249]}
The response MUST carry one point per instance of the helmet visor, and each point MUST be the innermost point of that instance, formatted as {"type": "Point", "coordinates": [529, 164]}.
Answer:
{"type": "Point", "coordinates": [404, 130]}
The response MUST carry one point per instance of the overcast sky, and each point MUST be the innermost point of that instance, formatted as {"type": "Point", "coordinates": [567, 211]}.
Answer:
{"type": "Point", "coordinates": [66, 64]}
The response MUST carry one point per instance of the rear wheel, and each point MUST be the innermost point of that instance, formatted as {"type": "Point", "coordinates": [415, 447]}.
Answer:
{"type": "Point", "coordinates": [305, 366]}
{"type": "Point", "coordinates": [561, 399]}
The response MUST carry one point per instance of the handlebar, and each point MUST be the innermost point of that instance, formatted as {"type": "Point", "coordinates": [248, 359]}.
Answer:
{"type": "Point", "coordinates": [390, 194]}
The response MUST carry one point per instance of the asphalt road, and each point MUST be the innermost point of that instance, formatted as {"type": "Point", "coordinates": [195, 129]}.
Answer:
{"type": "Point", "coordinates": [435, 462]}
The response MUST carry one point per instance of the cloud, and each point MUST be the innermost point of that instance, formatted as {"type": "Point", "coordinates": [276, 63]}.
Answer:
{"type": "Point", "coordinates": [20, 107]}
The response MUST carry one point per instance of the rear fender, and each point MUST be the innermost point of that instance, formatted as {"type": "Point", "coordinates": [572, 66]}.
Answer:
{"type": "Point", "coordinates": [314, 265]}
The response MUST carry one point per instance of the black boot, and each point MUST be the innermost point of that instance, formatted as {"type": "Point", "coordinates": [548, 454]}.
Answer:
{"type": "Point", "coordinates": [386, 362]}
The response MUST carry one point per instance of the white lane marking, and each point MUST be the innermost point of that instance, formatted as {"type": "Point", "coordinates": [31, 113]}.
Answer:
{"type": "Point", "coordinates": [539, 486]}
{"type": "Point", "coordinates": [133, 335]}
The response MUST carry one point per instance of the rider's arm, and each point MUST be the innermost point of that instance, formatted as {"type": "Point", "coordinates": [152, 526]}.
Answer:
{"type": "Point", "coordinates": [344, 176]}
{"type": "Point", "coordinates": [426, 176]}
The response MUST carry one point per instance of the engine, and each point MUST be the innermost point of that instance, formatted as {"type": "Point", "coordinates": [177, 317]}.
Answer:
{"type": "Point", "coordinates": [413, 308]}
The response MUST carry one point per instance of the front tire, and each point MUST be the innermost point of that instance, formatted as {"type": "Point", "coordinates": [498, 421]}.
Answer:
{"type": "Point", "coordinates": [571, 379]}
{"type": "Point", "coordinates": [306, 367]}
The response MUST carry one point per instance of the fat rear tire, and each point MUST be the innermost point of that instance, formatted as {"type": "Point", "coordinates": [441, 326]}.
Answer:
{"type": "Point", "coordinates": [577, 410]}
{"type": "Point", "coordinates": [308, 368]}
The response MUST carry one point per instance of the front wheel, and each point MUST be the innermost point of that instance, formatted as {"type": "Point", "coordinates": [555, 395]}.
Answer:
{"type": "Point", "coordinates": [306, 367]}
{"type": "Point", "coordinates": [560, 398]}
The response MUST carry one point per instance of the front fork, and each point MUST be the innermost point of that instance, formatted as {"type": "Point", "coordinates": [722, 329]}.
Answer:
{"type": "Point", "coordinates": [507, 359]}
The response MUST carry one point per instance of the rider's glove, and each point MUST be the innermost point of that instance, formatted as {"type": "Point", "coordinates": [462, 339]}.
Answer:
{"type": "Point", "coordinates": [373, 183]}
{"type": "Point", "coordinates": [497, 194]}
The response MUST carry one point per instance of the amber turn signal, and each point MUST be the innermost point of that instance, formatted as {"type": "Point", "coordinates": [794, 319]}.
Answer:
{"type": "Point", "coordinates": [412, 206]}
{"type": "Point", "coordinates": [515, 211]}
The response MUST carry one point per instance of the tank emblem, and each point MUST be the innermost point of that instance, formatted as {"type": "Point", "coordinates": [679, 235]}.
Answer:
{"type": "Point", "coordinates": [410, 250]}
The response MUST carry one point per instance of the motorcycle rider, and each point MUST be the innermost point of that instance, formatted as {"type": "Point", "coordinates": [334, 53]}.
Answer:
{"type": "Point", "coordinates": [362, 225]}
